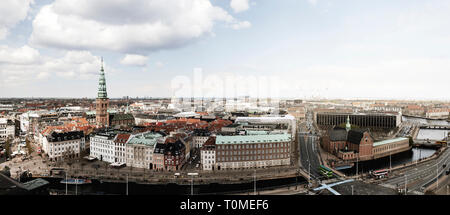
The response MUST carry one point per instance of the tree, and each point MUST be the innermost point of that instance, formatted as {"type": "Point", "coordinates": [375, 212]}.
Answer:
{"type": "Point", "coordinates": [6, 171]}
{"type": "Point", "coordinates": [28, 145]}
{"type": "Point", "coordinates": [411, 141]}
{"type": "Point", "coordinates": [8, 148]}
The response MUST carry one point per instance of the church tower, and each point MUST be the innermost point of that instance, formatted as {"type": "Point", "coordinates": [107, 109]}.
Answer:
{"type": "Point", "coordinates": [102, 102]}
{"type": "Point", "coordinates": [348, 126]}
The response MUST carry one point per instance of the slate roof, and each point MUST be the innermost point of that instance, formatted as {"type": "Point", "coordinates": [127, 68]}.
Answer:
{"type": "Point", "coordinates": [118, 117]}
{"type": "Point", "coordinates": [63, 136]}
{"type": "Point", "coordinates": [338, 135]}
{"type": "Point", "coordinates": [160, 148]}
{"type": "Point", "coordinates": [174, 148]}
{"type": "Point", "coordinates": [355, 136]}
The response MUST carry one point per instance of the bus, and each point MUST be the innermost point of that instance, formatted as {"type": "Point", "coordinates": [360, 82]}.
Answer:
{"type": "Point", "coordinates": [326, 172]}
{"type": "Point", "coordinates": [383, 173]}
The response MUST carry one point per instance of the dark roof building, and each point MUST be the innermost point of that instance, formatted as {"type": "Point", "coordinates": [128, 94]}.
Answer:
{"type": "Point", "coordinates": [64, 136]}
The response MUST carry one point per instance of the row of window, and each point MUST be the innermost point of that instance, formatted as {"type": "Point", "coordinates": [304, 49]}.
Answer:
{"type": "Point", "coordinates": [266, 151]}
{"type": "Point", "coordinates": [252, 146]}
{"type": "Point", "coordinates": [253, 157]}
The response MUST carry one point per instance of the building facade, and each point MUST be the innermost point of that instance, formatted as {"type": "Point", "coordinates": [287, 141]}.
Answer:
{"type": "Point", "coordinates": [252, 151]}
{"type": "Point", "coordinates": [140, 149]}
{"type": "Point", "coordinates": [374, 120]}
{"type": "Point", "coordinates": [63, 145]}
{"type": "Point", "coordinates": [103, 146]}
{"type": "Point", "coordinates": [7, 129]}
{"type": "Point", "coordinates": [208, 154]}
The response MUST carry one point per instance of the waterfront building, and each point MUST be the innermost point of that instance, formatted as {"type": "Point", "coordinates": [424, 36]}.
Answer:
{"type": "Point", "coordinates": [140, 149]}
{"type": "Point", "coordinates": [174, 155]}
{"type": "Point", "coordinates": [120, 148]}
{"type": "Point", "coordinates": [102, 101]}
{"type": "Point", "coordinates": [61, 145]}
{"type": "Point", "coordinates": [437, 113]}
{"type": "Point", "coordinates": [158, 156]}
{"type": "Point", "coordinates": [103, 147]}
{"type": "Point", "coordinates": [208, 154]}
{"type": "Point", "coordinates": [254, 150]}
{"type": "Point", "coordinates": [359, 145]}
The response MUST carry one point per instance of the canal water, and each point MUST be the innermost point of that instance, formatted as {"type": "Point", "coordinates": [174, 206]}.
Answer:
{"type": "Point", "coordinates": [110, 188]}
{"type": "Point", "coordinates": [414, 154]}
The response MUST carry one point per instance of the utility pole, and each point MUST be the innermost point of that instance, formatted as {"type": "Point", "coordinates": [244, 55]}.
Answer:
{"type": "Point", "coordinates": [390, 161]}
{"type": "Point", "coordinates": [352, 190]}
{"type": "Point", "coordinates": [127, 185]}
{"type": "Point", "coordinates": [357, 159]}
{"type": "Point", "coordinates": [76, 186]}
{"type": "Point", "coordinates": [309, 173]}
{"type": "Point", "coordinates": [254, 183]}
{"type": "Point", "coordinates": [192, 185]}
{"type": "Point", "coordinates": [437, 175]}
{"type": "Point", "coordinates": [66, 181]}
{"type": "Point", "coordinates": [406, 182]}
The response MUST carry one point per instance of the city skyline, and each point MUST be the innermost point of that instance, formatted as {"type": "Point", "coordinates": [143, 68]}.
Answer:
{"type": "Point", "coordinates": [317, 49]}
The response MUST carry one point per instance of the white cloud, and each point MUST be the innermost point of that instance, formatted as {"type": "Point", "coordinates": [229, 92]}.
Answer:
{"type": "Point", "coordinates": [136, 27]}
{"type": "Point", "coordinates": [313, 2]}
{"type": "Point", "coordinates": [134, 60]}
{"type": "Point", "coordinates": [239, 5]}
{"type": "Point", "coordinates": [241, 25]}
{"type": "Point", "coordinates": [159, 64]}
{"type": "Point", "coordinates": [22, 55]}
{"type": "Point", "coordinates": [11, 13]}
{"type": "Point", "coordinates": [26, 65]}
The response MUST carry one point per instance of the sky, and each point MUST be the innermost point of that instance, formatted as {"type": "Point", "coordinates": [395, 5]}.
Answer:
{"type": "Point", "coordinates": [344, 49]}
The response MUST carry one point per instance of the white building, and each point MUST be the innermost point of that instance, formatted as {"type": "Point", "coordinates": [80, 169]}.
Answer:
{"type": "Point", "coordinates": [60, 145]}
{"type": "Point", "coordinates": [208, 154]}
{"type": "Point", "coordinates": [199, 137]}
{"type": "Point", "coordinates": [437, 113]}
{"type": "Point", "coordinates": [103, 146]}
{"type": "Point", "coordinates": [288, 120]}
{"type": "Point", "coordinates": [6, 129]}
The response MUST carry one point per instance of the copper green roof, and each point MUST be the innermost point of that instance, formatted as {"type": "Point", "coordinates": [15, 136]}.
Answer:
{"type": "Point", "coordinates": [389, 141]}
{"type": "Point", "coordinates": [102, 84]}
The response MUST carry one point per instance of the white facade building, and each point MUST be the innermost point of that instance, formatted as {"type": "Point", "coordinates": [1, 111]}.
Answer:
{"type": "Point", "coordinates": [103, 147]}
{"type": "Point", "coordinates": [62, 145]}
{"type": "Point", "coordinates": [208, 154]}
{"type": "Point", "coordinates": [6, 129]}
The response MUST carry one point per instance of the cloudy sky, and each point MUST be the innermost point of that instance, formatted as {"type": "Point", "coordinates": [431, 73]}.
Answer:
{"type": "Point", "coordinates": [304, 48]}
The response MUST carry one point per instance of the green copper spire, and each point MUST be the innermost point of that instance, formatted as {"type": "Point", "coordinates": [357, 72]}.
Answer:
{"type": "Point", "coordinates": [102, 84]}
{"type": "Point", "coordinates": [348, 126]}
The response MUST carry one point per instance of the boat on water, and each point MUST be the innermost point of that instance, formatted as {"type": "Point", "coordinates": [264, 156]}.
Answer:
{"type": "Point", "coordinates": [76, 181]}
